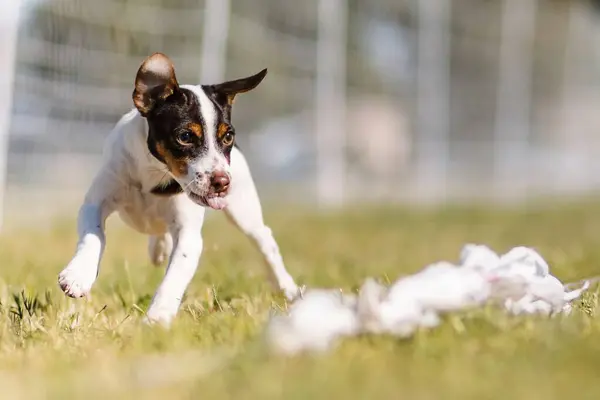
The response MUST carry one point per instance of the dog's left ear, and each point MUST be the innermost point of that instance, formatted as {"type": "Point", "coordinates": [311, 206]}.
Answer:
{"type": "Point", "coordinates": [224, 93]}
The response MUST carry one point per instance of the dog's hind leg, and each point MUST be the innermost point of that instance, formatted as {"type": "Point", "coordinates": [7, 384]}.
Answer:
{"type": "Point", "coordinates": [160, 248]}
{"type": "Point", "coordinates": [245, 211]}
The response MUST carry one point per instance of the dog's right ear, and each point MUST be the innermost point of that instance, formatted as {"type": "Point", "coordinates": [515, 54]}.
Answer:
{"type": "Point", "coordinates": [155, 80]}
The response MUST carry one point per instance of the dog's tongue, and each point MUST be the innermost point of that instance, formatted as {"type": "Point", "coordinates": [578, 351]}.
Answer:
{"type": "Point", "coordinates": [217, 203]}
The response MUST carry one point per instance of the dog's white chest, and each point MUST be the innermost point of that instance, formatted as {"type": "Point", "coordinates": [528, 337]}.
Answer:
{"type": "Point", "coordinates": [144, 212]}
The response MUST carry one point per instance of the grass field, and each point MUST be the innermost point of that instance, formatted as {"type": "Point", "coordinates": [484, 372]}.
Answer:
{"type": "Point", "coordinates": [54, 347]}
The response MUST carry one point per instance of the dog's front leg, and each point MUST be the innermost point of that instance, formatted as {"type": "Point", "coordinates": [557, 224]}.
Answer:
{"type": "Point", "coordinates": [187, 239]}
{"type": "Point", "coordinates": [245, 211]}
{"type": "Point", "coordinates": [77, 278]}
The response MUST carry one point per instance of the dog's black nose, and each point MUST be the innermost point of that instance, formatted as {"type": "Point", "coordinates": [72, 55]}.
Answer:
{"type": "Point", "coordinates": [219, 181]}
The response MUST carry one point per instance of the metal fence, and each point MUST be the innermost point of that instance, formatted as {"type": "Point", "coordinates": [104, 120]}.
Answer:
{"type": "Point", "coordinates": [386, 100]}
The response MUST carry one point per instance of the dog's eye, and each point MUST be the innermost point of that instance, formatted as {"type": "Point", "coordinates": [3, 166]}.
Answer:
{"type": "Point", "coordinates": [227, 139]}
{"type": "Point", "coordinates": [184, 138]}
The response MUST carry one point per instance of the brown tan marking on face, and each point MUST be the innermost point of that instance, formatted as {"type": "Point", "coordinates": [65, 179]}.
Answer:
{"type": "Point", "coordinates": [222, 130]}
{"type": "Point", "coordinates": [176, 166]}
{"type": "Point", "coordinates": [225, 137]}
{"type": "Point", "coordinates": [195, 128]}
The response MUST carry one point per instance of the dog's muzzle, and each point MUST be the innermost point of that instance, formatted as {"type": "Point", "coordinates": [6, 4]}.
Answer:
{"type": "Point", "coordinates": [218, 188]}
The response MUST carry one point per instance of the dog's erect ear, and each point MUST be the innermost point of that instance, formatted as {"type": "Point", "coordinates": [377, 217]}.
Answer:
{"type": "Point", "coordinates": [224, 93]}
{"type": "Point", "coordinates": [155, 80]}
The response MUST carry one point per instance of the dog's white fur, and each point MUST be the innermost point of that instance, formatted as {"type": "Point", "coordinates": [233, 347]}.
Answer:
{"type": "Point", "coordinates": [174, 223]}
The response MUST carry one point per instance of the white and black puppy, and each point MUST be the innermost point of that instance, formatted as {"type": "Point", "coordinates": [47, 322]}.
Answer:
{"type": "Point", "coordinates": [165, 162]}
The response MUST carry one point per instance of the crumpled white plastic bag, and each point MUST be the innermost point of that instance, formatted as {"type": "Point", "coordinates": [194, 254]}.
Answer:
{"type": "Point", "coordinates": [314, 322]}
{"type": "Point", "coordinates": [545, 296]}
{"type": "Point", "coordinates": [478, 257]}
{"type": "Point", "coordinates": [444, 287]}
{"type": "Point", "coordinates": [382, 310]}
{"type": "Point", "coordinates": [520, 281]}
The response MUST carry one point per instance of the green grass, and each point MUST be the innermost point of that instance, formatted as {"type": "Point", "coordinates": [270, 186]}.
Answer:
{"type": "Point", "coordinates": [54, 347]}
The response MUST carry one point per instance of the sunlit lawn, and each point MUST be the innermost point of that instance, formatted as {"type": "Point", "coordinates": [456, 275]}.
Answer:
{"type": "Point", "coordinates": [54, 347]}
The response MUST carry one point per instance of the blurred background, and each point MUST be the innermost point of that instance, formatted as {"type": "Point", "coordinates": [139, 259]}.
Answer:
{"type": "Point", "coordinates": [375, 101]}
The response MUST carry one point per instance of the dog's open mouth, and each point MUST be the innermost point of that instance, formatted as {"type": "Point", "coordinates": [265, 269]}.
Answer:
{"type": "Point", "coordinates": [216, 201]}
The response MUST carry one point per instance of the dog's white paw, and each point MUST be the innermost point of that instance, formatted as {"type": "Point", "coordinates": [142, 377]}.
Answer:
{"type": "Point", "coordinates": [162, 310]}
{"type": "Point", "coordinates": [159, 315]}
{"type": "Point", "coordinates": [77, 280]}
{"type": "Point", "coordinates": [292, 291]}
{"type": "Point", "coordinates": [163, 321]}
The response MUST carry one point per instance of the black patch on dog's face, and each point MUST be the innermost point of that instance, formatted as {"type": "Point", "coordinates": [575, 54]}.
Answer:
{"type": "Point", "coordinates": [177, 131]}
